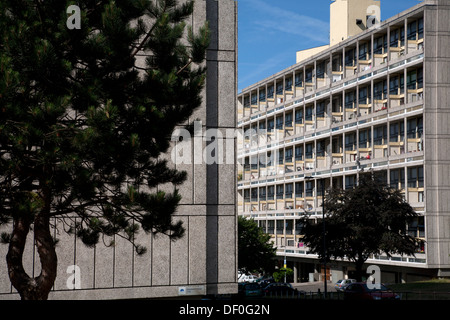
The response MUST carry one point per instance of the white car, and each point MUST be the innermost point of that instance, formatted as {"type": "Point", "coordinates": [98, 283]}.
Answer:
{"type": "Point", "coordinates": [247, 278]}
{"type": "Point", "coordinates": [341, 284]}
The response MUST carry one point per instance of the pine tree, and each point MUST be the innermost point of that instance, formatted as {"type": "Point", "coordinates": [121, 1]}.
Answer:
{"type": "Point", "coordinates": [83, 125]}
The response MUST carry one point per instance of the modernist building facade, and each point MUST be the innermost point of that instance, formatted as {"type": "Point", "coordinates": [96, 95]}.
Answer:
{"type": "Point", "coordinates": [376, 101]}
{"type": "Point", "coordinates": [204, 261]}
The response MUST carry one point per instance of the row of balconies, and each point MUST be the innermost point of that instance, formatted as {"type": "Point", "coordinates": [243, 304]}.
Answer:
{"type": "Point", "coordinates": [306, 194]}
{"type": "Point", "coordinates": [363, 144]}
{"type": "Point", "coordinates": [345, 106]}
{"type": "Point", "coordinates": [286, 89]}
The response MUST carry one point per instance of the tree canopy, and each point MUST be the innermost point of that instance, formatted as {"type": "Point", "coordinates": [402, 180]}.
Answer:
{"type": "Point", "coordinates": [366, 220]}
{"type": "Point", "coordinates": [84, 123]}
{"type": "Point", "coordinates": [256, 252]}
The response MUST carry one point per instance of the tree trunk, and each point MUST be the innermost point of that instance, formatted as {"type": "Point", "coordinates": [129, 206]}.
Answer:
{"type": "Point", "coordinates": [32, 288]}
{"type": "Point", "coordinates": [359, 269]}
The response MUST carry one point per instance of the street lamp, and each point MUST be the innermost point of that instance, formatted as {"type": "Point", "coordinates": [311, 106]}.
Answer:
{"type": "Point", "coordinates": [325, 291]}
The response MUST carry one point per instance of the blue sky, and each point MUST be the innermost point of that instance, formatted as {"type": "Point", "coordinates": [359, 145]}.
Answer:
{"type": "Point", "coordinates": [272, 31]}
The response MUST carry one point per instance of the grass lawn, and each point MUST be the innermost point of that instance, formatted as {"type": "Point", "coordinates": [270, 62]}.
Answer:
{"type": "Point", "coordinates": [438, 289]}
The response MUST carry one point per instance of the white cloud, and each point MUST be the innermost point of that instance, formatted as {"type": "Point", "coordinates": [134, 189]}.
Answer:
{"type": "Point", "coordinates": [256, 71]}
{"type": "Point", "coordinates": [283, 20]}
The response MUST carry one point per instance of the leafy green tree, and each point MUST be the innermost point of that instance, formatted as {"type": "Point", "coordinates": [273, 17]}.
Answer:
{"type": "Point", "coordinates": [368, 219]}
{"type": "Point", "coordinates": [255, 250]}
{"type": "Point", "coordinates": [83, 123]}
{"type": "Point", "coordinates": [283, 273]}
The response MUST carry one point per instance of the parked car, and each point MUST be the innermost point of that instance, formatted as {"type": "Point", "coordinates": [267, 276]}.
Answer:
{"type": "Point", "coordinates": [252, 290]}
{"type": "Point", "coordinates": [247, 278]}
{"type": "Point", "coordinates": [360, 291]}
{"type": "Point", "coordinates": [264, 282]}
{"type": "Point", "coordinates": [341, 284]}
{"type": "Point", "coordinates": [279, 288]}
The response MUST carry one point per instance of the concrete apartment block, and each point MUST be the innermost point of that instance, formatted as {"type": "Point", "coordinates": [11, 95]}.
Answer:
{"type": "Point", "coordinates": [376, 101]}
{"type": "Point", "coordinates": [204, 261]}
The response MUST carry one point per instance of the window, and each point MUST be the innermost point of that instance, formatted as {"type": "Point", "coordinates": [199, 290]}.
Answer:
{"type": "Point", "coordinates": [279, 122]}
{"type": "Point", "coordinates": [288, 84]}
{"type": "Point", "coordinates": [350, 182]}
{"type": "Point", "coordinates": [288, 119]}
{"type": "Point", "coordinates": [308, 76]}
{"type": "Point", "coordinates": [397, 178]}
{"type": "Point", "coordinates": [309, 113]}
{"type": "Point", "coordinates": [321, 148]}
{"type": "Point", "coordinates": [262, 127]}
{"type": "Point", "coordinates": [379, 44]}
{"type": "Point", "coordinates": [299, 189]}
{"type": "Point", "coordinates": [289, 227]}
{"type": "Point", "coordinates": [299, 153]}
{"type": "Point", "coordinates": [270, 226]}
{"type": "Point", "coordinates": [364, 51]}
{"type": "Point", "coordinates": [270, 192]}
{"type": "Point", "coordinates": [350, 57]}
{"type": "Point", "coordinates": [270, 125]}
{"type": "Point", "coordinates": [395, 36]}
{"type": "Point", "coordinates": [288, 155]}
{"type": "Point", "coordinates": [416, 227]}
{"type": "Point", "coordinates": [270, 91]}
{"type": "Point", "coordinates": [280, 88]}
{"type": "Point", "coordinates": [396, 85]}
{"type": "Point", "coordinates": [309, 188]}
{"type": "Point", "coordinates": [262, 225]}
{"type": "Point", "coordinates": [379, 135]}
{"type": "Point", "coordinates": [299, 80]}
{"type": "Point", "coordinates": [299, 116]}
{"type": "Point", "coordinates": [350, 142]}
{"type": "Point", "coordinates": [415, 177]}
{"type": "Point", "coordinates": [247, 195]}
{"type": "Point", "coordinates": [280, 226]}
{"type": "Point", "coordinates": [247, 101]}
{"type": "Point", "coordinates": [364, 139]}
{"type": "Point", "coordinates": [420, 28]}
{"type": "Point", "coordinates": [336, 145]}
{"type": "Point", "coordinates": [320, 70]}
{"type": "Point", "coordinates": [411, 80]}
{"type": "Point", "coordinates": [298, 227]}
{"type": "Point", "coordinates": [380, 90]}
{"type": "Point", "coordinates": [289, 191]}
{"type": "Point", "coordinates": [420, 78]}
{"type": "Point", "coordinates": [262, 194]}
{"type": "Point", "coordinates": [350, 99]}
{"type": "Point", "coordinates": [262, 95]}
{"type": "Point", "coordinates": [412, 30]}
{"type": "Point", "coordinates": [254, 99]}
{"type": "Point", "coordinates": [415, 128]}
{"type": "Point", "coordinates": [320, 186]}
{"type": "Point", "coordinates": [320, 109]}
{"type": "Point", "coordinates": [280, 191]}
{"type": "Point", "coordinates": [397, 131]}
{"type": "Point", "coordinates": [254, 193]}
{"type": "Point", "coordinates": [364, 94]}
{"type": "Point", "coordinates": [280, 156]}
{"type": "Point", "coordinates": [309, 151]}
